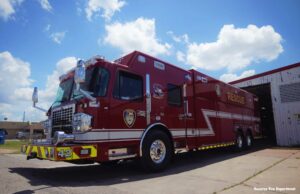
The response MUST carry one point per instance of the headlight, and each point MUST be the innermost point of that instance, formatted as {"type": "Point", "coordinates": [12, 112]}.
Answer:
{"type": "Point", "coordinates": [81, 122]}
{"type": "Point", "coordinates": [47, 126]}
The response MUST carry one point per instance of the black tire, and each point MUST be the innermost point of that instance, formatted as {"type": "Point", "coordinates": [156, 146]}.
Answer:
{"type": "Point", "coordinates": [248, 140]}
{"type": "Point", "coordinates": [239, 142]}
{"type": "Point", "coordinates": [161, 154]}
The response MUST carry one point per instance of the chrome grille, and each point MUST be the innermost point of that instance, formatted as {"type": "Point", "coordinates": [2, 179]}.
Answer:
{"type": "Point", "coordinates": [62, 118]}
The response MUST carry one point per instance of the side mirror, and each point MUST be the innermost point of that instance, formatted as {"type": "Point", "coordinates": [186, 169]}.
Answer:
{"type": "Point", "coordinates": [79, 76]}
{"type": "Point", "coordinates": [35, 97]}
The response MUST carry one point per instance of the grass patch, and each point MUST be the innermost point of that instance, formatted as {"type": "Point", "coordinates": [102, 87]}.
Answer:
{"type": "Point", "coordinates": [13, 145]}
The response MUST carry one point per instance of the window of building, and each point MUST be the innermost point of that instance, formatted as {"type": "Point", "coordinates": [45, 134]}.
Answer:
{"type": "Point", "coordinates": [174, 95]}
{"type": "Point", "coordinates": [128, 87]}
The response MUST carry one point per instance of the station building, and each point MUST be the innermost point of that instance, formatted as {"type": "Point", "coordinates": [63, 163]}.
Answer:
{"type": "Point", "coordinates": [279, 98]}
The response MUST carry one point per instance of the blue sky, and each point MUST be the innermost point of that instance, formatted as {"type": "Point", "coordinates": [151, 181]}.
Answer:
{"type": "Point", "coordinates": [224, 39]}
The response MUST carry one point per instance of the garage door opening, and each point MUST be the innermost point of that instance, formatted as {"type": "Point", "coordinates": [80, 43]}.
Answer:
{"type": "Point", "coordinates": [263, 92]}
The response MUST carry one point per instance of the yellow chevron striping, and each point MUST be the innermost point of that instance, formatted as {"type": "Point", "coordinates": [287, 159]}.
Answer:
{"type": "Point", "coordinates": [59, 153]}
{"type": "Point", "coordinates": [75, 156]}
{"type": "Point", "coordinates": [38, 152]}
{"type": "Point", "coordinates": [93, 150]}
{"type": "Point", "coordinates": [205, 147]}
{"type": "Point", "coordinates": [43, 154]}
{"type": "Point", "coordinates": [27, 150]}
{"type": "Point", "coordinates": [34, 149]}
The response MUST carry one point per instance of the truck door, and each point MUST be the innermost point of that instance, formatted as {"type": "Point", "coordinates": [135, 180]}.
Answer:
{"type": "Point", "coordinates": [179, 113]}
{"type": "Point", "coordinates": [188, 108]}
{"type": "Point", "coordinates": [127, 107]}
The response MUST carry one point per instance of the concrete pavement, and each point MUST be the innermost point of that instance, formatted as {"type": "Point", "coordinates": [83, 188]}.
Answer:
{"type": "Point", "coordinates": [264, 170]}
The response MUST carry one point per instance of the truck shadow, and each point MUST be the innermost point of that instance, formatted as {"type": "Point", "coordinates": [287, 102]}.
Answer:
{"type": "Point", "coordinates": [129, 171]}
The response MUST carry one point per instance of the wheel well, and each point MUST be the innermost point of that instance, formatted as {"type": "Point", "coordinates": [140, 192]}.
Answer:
{"type": "Point", "coordinates": [163, 129]}
{"type": "Point", "coordinates": [240, 130]}
{"type": "Point", "coordinates": [160, 127]}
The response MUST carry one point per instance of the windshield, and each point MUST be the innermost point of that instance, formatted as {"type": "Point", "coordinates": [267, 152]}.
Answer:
{"type": "Point", "coordinates": [96, 81]}
{"type": "Point", "coordinates": [64, 91]}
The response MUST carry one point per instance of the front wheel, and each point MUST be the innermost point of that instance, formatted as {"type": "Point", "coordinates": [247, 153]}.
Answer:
{"type": "Point", "coordinates": [157, 151]}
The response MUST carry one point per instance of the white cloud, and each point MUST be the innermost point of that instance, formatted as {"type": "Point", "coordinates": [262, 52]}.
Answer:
{"type": "Point", "coordinates": [46, 5]}
{"type": "Point", "coordinates": [107, 7]}
{"type": "Point", "coordinates": [14, 73]}
{"type": "Point", "coordinates": [180, 56]}
{"type": "Point", "coordinates": [7, 8]}
{"type": "Point", "coordinates": [66, 64]}
{"type": "Point", "coordinates": [135, 35]}
{"type": "Point", "coordinates": [5, 111]}
{"type": "Point", "coordinates": [58, 37]}
{"type": "Point", "coordinates": [62, 66]}
{"type": "Point", "coordinates": [79, 9]}
{"type": "Point", "coordinates": [16, 87]}
{"type": "Point", "coordinates": [47, 28]}
{"type": "Point", "coordinates": [179, 39]}
{"type": "Point", "coordinates": [228, 77]}
{"type": "Point", "coordinates": [236, 48]}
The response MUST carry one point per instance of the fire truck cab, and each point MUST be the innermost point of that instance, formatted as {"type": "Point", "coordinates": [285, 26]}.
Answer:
{"type": "Point", "coordinates": [141, 107]}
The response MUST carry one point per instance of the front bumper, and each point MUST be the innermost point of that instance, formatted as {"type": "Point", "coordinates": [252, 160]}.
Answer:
{"type": "Point", "coordinates": [60, 153]}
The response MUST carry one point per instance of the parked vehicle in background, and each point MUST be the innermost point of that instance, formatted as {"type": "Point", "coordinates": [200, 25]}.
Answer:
{"type": "Point", "coordinates": [3, 131]}
{"type": "Point", "coordinates": [25, 134]}
{"type": "Point", "coordinates": [142, 107]}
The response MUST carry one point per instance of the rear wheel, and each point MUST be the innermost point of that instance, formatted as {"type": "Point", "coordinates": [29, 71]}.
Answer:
{"type": "Point", "coordinates": [157, 151]}
{"type": "Point", "coordinates": [249, 140]}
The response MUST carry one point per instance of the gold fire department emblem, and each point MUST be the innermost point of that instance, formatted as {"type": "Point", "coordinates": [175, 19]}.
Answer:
{"type": "Point", "coordinates": [129, 117]}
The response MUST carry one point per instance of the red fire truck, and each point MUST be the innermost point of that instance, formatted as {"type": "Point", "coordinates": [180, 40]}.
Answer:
{"type": "Point", "coordinates": [141, 107]}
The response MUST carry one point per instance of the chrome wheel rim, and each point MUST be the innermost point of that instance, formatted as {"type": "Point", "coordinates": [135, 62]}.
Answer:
{"type": "Point", "coordinates": [240, 141]}
{"type": "Point", "coordinates": [157, 151]}
{"type": "Point", "coordinates": [249, 141]}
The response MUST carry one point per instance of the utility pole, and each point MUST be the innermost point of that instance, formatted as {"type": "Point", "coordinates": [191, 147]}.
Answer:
{"type": "Point", "coordinates": [23, 116]}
